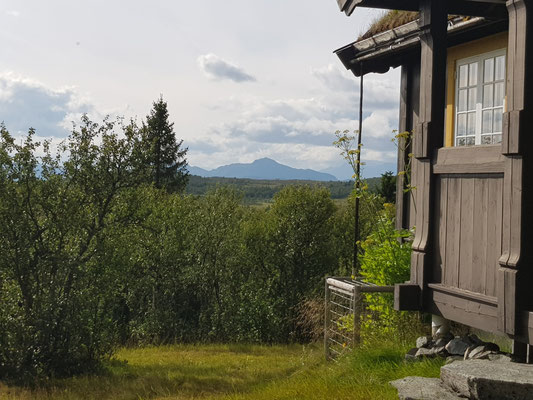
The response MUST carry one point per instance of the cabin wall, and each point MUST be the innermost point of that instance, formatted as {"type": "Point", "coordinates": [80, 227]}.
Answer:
{"type": "Point", "coordinates": [468, 244]}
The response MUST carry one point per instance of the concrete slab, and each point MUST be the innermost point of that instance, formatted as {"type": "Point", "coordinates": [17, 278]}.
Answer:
{"type": "Point", "coordinates": [417, 388]}
{"type": "Point", "coordinates": [487, 380]}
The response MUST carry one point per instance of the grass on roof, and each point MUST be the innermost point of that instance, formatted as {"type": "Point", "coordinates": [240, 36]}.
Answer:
{"type": "Point", "coordinates": [389, 20]}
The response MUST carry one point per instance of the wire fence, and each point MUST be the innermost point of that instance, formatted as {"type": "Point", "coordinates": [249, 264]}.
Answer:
{"type": "Point", "coordinates": [343, 309]}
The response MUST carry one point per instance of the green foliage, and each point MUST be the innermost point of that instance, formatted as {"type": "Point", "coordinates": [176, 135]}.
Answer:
{"type": "Point", "coordinates": [386, 254]}
{"type": "Point", "coordinates": [161, 152]}
{"type": "Point", "coordinates": [343, 227]}
{"type": "Point", "coordinates": [385, 260]}
{"type": "Point", "coordinates": [55, 311]}
{"type": "Point", "coordinates": [387, 187]}
{"type": "Point", "coordinates": [93, 255]}
{"type": "Point", "coordinates": [303, 252]}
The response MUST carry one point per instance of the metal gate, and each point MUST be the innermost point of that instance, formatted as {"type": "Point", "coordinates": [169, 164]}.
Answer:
{"type": "Point", "coordinates": [343, 309]}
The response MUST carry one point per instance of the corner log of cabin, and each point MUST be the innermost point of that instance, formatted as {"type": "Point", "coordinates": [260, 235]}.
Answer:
{"type": "Point", "coordinates": [515, 272]}
{"type": "Point", "coordinates": [427, 137]}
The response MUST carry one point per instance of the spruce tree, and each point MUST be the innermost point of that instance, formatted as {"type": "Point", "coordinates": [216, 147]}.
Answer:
{"type": "Point", "coordinates": [164, 155]}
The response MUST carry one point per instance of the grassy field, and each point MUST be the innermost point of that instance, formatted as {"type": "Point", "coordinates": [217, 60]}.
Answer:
{"type": "Point", "coordinates": [237, 372]}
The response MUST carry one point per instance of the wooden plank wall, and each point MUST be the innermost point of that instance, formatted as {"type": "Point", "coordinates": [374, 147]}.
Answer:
{"type": "Point", "coordinates": [468, 237]}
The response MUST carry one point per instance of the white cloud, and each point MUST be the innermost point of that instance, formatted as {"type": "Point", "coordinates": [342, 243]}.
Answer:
{"type": "Point", "coordinates": [26, 103]}
{"type": "Point", "coordinates": [298, 132]}
{"type": "Point", "coordinates": [380, 124]}
{"type": "Point", "coordinates": [335, 78]}
{"type": "Point", "coordinates": [13, 13]}
{"type": "Point", "coordinates": [217, 68]}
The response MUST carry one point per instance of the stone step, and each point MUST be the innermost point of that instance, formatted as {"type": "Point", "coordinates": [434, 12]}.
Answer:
{"type": "Point", "coordinates": [417, 388]}
{"type": "Point", "coordinates": [486, 380]}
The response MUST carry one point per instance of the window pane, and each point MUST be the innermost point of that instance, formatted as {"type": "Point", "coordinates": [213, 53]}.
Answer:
{"type": "Point", "coordinates": [462, 100]}
{"type": "Point", "coordinates": [472, 75]}
{"type": "Point", "coordinates": [499, 94]}
{"type": "Point", "coordinates": [463, 75]}
{"type": "Point", "coordinates": [461, 141]}
{"type": "Point", "coordinates": [472, 99]}
{"type": "Point", "coordinates": [487, 122]}
{"type": "Point", "coordinates": [489, 70]}
{"type": "Point", "coordinates": [486, 139]}
{"type": "Point", "coordinates": [498, 119]}
{"type": "Point", "coordinates": [461, 124]}
{"type": "Point", "coordinates": [471, 124]}
{"type": "Point", "coordinates": [496, 139]}
{"type": "Point", "coordinates": [500, 68]}
{"type": "Point", "coordinates": [487, 95]}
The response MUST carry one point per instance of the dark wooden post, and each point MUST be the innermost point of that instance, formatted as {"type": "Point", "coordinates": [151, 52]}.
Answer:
{"type": "Point", "coordinates": [429, 132]}
{"type": "Point", "coordinates": [405, 124]}
{"type": "Point", "coordinates": [522, 352]}
{"type": "Point", "coordinates": [516, 146]}
{"type": "Point", "coordinates": [408, 119]}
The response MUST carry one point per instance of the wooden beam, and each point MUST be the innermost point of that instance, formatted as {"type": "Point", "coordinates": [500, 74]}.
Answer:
{"type": "Point", "coordinates": [428, 133]}
{"type": "Point", "coordinates": [522, 352]}
{"type": "Point", "coordinates": [407, 297]}
{"type": "Point", "coordinates": [433, 31]}
{"type": "Point", "coordinates": [406, 5]}
{"type": "Point", "coordinates": [486, 8]}
{"type": "Point", "coordinates": [514, 292]}
{"type": "Point", "coordinates": [405, 124]}
{"type": "Point", "coordinates": [342, 4]}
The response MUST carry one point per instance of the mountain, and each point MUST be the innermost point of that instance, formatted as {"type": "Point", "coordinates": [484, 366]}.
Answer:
{"type": "Point", "coordinates": [198, 171]}
{"type": "Point", "coordinates": [264, 168]}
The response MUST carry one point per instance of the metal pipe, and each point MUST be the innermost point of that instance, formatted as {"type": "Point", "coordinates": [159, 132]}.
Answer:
{"type": "Point", "coordinates": [355, 270]}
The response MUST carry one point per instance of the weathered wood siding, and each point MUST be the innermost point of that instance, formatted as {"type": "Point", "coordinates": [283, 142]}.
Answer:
{"type": "Point", "coordinates": [468, 238]}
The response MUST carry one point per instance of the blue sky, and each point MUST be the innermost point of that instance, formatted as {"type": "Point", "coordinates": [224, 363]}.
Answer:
{"type": "Point", "coordinates": [243, 80]}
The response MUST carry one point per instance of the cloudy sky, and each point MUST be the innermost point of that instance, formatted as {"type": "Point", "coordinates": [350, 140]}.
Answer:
{"type": "Point", "coordinates": [243, 79]}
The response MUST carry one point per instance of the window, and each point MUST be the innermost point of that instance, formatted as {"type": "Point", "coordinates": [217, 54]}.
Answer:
{"type": "Point", "coordinates": [480, 98]}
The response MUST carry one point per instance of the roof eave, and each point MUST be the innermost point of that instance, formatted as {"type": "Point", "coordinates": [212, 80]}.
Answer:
{"type": "Point", "coordinates": [481, 8]}
{"type": "Point", "coordinates": [386, 46]}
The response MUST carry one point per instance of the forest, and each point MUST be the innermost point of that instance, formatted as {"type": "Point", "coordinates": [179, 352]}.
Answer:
{"type": "Point", "coordinates": [259, 191]}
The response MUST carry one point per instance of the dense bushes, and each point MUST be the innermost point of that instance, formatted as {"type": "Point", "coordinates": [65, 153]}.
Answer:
{"type": "Point", "coordinates": [90, 257]}
{"type": "Point", "coordinates": [385, 260]}
{"type": "Point", "coordinates": [55, 220]}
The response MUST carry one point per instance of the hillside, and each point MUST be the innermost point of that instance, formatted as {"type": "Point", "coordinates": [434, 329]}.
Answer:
{"type": "Point", "coordinates": [257, 191]}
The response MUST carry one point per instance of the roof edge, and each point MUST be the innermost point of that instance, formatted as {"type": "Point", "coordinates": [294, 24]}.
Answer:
{"type": "Point", "coordinates": [391, 42]}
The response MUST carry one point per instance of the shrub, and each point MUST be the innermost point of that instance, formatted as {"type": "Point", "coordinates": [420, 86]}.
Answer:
{"type": "Point", "coordinates": [55, 217]}
{"type": "Point", "coordinates": [385, 260]}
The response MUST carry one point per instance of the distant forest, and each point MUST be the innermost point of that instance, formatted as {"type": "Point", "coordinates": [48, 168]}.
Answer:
{"type": "Point", "coordinates": [257, 191]}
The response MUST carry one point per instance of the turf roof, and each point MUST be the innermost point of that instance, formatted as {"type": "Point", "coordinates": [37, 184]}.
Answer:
{"type": "Point", "coordinates": [389, 20]}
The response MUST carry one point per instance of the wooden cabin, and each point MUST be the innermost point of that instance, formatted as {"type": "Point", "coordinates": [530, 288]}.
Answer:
{"type": "Point", "coordinates": [467, 96]}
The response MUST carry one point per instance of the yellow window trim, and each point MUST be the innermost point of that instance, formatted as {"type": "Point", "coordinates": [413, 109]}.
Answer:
{"type": "Point", "coordinates": [465, 50]}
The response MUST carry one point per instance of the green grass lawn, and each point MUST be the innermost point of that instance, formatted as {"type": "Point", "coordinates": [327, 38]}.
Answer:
{"type": "Point", "coordinates": [237, 372]}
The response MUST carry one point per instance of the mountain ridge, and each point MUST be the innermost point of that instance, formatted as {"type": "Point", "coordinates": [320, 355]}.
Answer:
{"type": "Point", "coordinates": [263, 168]}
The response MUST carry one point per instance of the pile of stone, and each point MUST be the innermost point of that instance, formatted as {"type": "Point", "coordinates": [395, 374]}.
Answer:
{"type": "Point", "coordinates": [471, 379]}
{"type": "Point", "coordinates": [451, 347]}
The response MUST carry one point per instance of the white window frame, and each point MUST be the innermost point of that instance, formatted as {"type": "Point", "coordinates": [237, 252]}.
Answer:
{"type": "Point", "coordinates": [480, 59]}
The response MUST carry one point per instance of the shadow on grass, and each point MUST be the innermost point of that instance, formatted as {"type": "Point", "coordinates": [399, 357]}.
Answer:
{"type": "Point", "coordinates": [179, 376]}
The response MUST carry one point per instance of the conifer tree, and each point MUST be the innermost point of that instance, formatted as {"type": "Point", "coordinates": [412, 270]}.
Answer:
{"type": "Point", "coordinates": [164, 155]}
